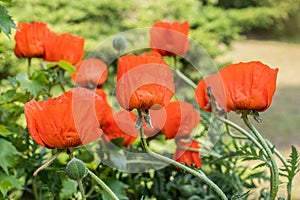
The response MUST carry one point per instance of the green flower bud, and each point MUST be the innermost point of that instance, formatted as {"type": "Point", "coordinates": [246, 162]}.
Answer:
{"type": "Point", "coordinates": [76, 169]}
{"type": "Point", "coordinates": [187, 190]}
{"type": "Point", "coordinates": [119, 43]}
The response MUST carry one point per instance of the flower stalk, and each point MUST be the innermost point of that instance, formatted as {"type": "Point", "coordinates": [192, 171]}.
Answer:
{"type": "Point", "coordinates": [273, 167]}
{"type": "Point", "coordinates": [103, 185]}
{"type": "Point", "coordinates": [167, 160]}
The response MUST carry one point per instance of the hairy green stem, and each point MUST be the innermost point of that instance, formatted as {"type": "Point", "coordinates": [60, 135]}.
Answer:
{"type": "Point", "coordinates": [48, 162]}
{"type": "Point", "coordinates": [251, 138]}
{"type": "Point", "coordinates": [273, 167]}
{"type": "Point", "coordinates": [103, 185]}
{"type": "Point", "coordinates": [167, 160]}
{"type": "Point", "coordinates": [81, 190]}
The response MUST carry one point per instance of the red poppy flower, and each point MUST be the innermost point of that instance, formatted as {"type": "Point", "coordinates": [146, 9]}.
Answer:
{"type": "Point", "coordinates": [182, 118]}
{"type": "Point", "coordinates": [241, 86]}
{"type": "Point", "coordinates": [191, 158]}
{"type": "Point", "coordinates": [70, 120]}
{"type": "Point", "coordinates": [108, 110]}
{"type": "Point", "coordinates": [121, 125]}
{"type": "Point", "coordinates": [64, 47]}
{"type": "Point", "coordinates": [90, 73]}
{"type": "Point", "coordinates": [175, 120]}
{"type": "Point", "coordinates": [169, 39]}
{"type": "Point", "coordinates": [30, 39]}
{"type": "Point", "coordinates": [144, 81]}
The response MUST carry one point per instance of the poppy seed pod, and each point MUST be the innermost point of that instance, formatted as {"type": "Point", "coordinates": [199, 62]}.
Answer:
{"type": "Point", "coordinates": [119, 43]}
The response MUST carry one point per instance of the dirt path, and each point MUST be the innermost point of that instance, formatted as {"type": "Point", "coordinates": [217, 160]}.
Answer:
{"type": "Point", "coordinates": [282, 120]}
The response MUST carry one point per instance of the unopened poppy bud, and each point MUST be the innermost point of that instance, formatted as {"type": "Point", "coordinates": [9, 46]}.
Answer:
{"type": "Point", "coordinates": [187, 190]}
{"type": "Point", "coordinates": [119, 43]}
{"type": "Point", "coordinates": [76, 169]}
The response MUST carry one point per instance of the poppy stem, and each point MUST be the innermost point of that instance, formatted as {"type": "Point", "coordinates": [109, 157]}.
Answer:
{"type": "Point", "coordinates": [103, 185]}
{"type": "Point", "coordinates": [182, 76]}
{"type": "Point", "coordinates": [80, 185]}
{"type": "Point", "coordinates": [48, 162]}
{"type": "Point", "coordinates": [273, 167]}
{"type": "Point", "coordinates": [251, 138]}
{"type": "Point", "coordinates": [28, 67]}
{"type": "Point", "coordinates": [167, 160]}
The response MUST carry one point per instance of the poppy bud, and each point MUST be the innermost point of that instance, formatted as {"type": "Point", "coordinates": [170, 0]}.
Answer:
{"type": "Point", "coordinates": [119, 43]}
{"type": "Point", "coordinates": [76, 169]}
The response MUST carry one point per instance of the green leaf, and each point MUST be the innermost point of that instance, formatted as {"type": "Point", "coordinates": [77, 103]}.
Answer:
{"type": "Point", "coordinates": [118, 159]}
{"type": "Point", "coordinates": [7, 96]}
{"type": "Point", "coordinates": [6, 1]}
{"type": "Point", "coordinates": [9, 182]}
{"type": "Point", "coordinates": [6, 22]}
{"type": "Point", "coordinates": [33, 86]}
{"type": "Point", "coordinates": [66, 66]}
{"type": "Point", "coordinates": [117, 187]}
{"type": "Point", "coordinates": [7, 154]}
{"type": "Point", "coordinates": [4, 131]}
{"type": "Point", "coordinates": [69, 187]}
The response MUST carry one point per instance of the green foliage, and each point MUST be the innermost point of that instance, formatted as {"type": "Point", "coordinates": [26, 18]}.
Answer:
{"type": "Point", "coordinates": [211, 26]}
{"type": "Point", "coordinates": [9, 182]}
{"type": "Point", "coordinates": [6, 22]}
{"type": "Point", "coordinates": [7, 154]}
{"type": "Point", "coordinates": [35, 85]}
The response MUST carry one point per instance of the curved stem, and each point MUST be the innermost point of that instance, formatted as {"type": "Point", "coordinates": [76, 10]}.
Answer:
{"type": "Point", "coordinates": [81, 190]}
{"type": "Point", "coordinates": [273, 167]}
{"type": "Point", "coordinates": [250, 137]}
{"type": "Point", "coordinates": [241, 130]}
{"type": "Point", "coordinates": [181, 75]}
{"type": "Point", "coordinates": [185, 78]}
{"type": "Point", "coordinates": [167, 160]}
{"type": "Point", "coordinates": [48, 162]}
{"type": "Point", "coordinates": [103, 185]}
{"type": "Point", "coordinates": [232, 134]}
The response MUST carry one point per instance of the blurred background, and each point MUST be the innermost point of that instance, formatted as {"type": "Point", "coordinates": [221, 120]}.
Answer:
{"type": "Point", "coordinates": [230, 31]}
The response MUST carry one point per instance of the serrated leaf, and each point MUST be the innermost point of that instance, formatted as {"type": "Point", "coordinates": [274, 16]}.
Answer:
{"type": "Point", "coordinates": [7, 154]}
{"type": "Point", "coordinates": [33, 86]}
{"type": "Point", "coordinates": [6, 22]}
{"type": "Point", "coordinates": [9, 182]}
{"type": "Point", "coordinates": [260, 165]}
{"type": "Point", "coordinates": [69, 187]}
{"type": "Point", "coordinates": [66, 66]}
